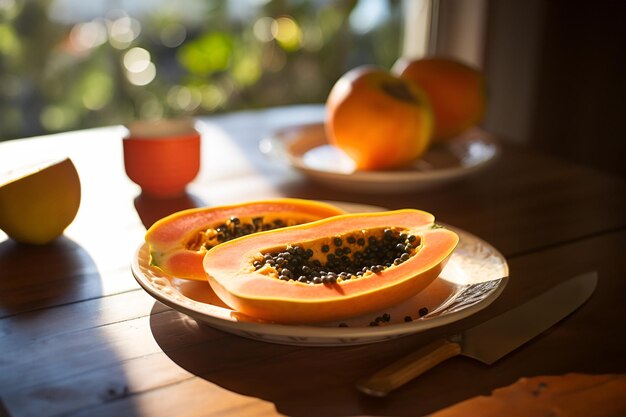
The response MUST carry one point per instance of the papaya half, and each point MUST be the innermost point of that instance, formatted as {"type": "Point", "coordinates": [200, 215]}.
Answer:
{"type": "Point", "coordinates": [178, 242]}
{"type": "Point", "coordinates": [331, 269]}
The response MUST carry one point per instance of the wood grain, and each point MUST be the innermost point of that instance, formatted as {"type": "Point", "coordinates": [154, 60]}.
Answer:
{"type": "Point", "coordinates": [118, 365]}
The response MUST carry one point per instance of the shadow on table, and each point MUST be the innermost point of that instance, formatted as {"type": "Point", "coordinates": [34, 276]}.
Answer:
{"type": "Point", "coordinates": [51, 323]}
{"type": "Point", "coordinates": [300, 381]}
{"type": "Point", "coordinates": [71, 275]}
{"type": "Point", "coordinates": [151, 209]}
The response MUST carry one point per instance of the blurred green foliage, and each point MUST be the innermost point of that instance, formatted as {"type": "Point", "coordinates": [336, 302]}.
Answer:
{"type": "Point", "coordinates": [71, 64]}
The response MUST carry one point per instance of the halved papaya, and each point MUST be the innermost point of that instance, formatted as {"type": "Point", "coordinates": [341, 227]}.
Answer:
{"type": "Point", "coordinates": [179, 241]}
{"type": "Point", "coordinates": [330, 269]}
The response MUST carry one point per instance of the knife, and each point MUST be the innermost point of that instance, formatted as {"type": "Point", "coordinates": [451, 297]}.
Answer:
{"type": "Point", "coordinates": [491, 340]}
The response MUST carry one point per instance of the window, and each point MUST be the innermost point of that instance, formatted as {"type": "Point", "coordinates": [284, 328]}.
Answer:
{"type": "Point", "coordinates": [70, 64]}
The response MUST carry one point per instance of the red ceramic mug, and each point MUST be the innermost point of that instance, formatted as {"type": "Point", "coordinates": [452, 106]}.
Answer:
{"type": "Point", "coordinates": [162, 156]}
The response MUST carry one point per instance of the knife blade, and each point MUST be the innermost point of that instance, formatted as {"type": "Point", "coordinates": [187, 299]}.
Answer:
{"type": "Point", "coordinates": [490, 340]}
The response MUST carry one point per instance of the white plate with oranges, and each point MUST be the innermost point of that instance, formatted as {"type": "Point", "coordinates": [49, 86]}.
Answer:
{"type": "Point", "coordinates": [391, 131]}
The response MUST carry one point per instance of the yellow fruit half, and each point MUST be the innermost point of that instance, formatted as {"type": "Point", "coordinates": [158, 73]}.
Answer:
{"type": "Point", "coordinates": [39, 202]}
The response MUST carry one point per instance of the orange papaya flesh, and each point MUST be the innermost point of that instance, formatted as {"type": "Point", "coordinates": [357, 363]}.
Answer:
{"type": "Point", "coordinates": [178, 242]}
{"type": "Point", "coordinates": [248, 275]}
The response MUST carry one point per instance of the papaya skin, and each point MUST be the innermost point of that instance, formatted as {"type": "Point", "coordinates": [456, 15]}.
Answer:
{"type": "Point", "coordinates": [169, 238]}
{"type": "Point", "coordinates": [257, 294]}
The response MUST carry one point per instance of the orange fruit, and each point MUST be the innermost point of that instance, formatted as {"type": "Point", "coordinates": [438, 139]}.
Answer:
{"type": "Point", "coordinates": [456, 91]}
{"type": "Point", "coordinates": [379, 120]}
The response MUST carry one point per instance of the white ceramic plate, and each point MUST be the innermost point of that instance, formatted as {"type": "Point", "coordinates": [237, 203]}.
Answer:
{"type": "Point", "coordinates": [305, 148]}
{"type": "Point", "coordinates": [475, 275]}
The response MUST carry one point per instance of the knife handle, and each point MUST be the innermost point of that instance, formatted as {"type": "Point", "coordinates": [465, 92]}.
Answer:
{"type": "Point", "coordinates": [402, 371]}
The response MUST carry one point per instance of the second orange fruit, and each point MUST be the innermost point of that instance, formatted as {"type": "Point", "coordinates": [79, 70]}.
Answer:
{"type": "Point", "coordinates": [456, 91]}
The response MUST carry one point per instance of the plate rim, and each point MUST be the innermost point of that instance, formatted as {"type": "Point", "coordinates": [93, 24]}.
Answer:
{"type": "Point", "coordinates": [405, 175]}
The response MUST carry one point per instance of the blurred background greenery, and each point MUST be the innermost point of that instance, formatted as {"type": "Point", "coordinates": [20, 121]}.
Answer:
{"type": "Point", "coordinates": [72, 64]}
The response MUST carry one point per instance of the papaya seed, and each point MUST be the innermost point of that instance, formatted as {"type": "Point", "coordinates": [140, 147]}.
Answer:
{"type": "Point", "coordinates": [315, 263]}
{"type": "Point", "coordinates": [236, 227]}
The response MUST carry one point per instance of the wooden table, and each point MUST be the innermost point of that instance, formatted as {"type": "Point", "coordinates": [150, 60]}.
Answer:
{"type": "Point", "coordinates": [78, 336]}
